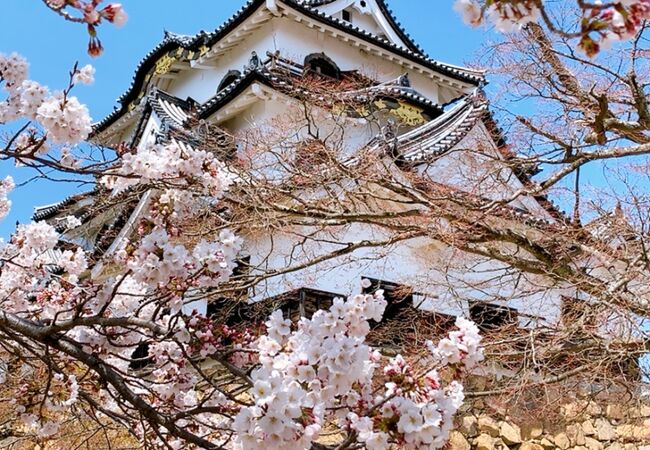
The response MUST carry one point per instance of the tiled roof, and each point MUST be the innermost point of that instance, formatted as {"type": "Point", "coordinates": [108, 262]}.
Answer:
{"type": "Point", "coordinates": [271, 78]}
{"type": "Point", "coordinates": [170, 109]}
{"type": "Point", "coordinates": [188, 44]}
{"type": "Point", "coordinates": [460, 73]}
{"type": "Point", "coordinates": [49, 211]}
{"type": "Point", "coordinates": [441, 134]}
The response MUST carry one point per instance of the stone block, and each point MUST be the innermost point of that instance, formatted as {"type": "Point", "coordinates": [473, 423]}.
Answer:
{"type": "Point", "coordinates": [532, 431]}
{"type": "Point", "coordinates": [604, 430]}
{"type": "Point", "coordinates": [588, 428]}
{"type": "Point", "coordinates": [642, 411]}
{"type": "Point", "coordinates": [638, 433]}
{"type": "Point", "coordinates": [458, 442]}
{"type": "Point", "coordinates": [575, 434]}
{"type": "Point", "coordinates": [547, 444]}
{"type": "Point", "coordinates": [594, 409]}
{"type": "Point", "coordinates": [593, 444]}
{"type": "Point", "coordinates": [510, 433]}
{"type": "Point", "coordinates": [484, 442]}
{"type": "Point", "coordinates": [488, 425]}
{"type": "Point", "coordinates": [469, 426]}
{"type": "Point", "coordinates": [615, 446]}
{"type": "Point", "coordinates": [562, 441]}
{"type": "Point", "coordinates": [531, 446]}
{"type": "Point", "coordinates": [616, 411]}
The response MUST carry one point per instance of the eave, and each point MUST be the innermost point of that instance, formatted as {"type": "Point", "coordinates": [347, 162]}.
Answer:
{"type": "Point", "coordinates": [272, 81]}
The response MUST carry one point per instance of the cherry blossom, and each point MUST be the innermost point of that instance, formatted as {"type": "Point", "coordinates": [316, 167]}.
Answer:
{"type": "Point", "coordinates": [13, 70]}
{"type": "Point", "coordinates": [62, 117]}
{"type": "Point", "coordinates": [85, 75]}
{"type": "Point", "coordinates": [601, 22]}
{"type": "Point", "coordinates": [6, 186]}
{"type": "Point", "coordinates": [87, 12]}
{"type": "Point", "coordinates": [324, 371]}
{"type": "Point", "coordinates": [115, 13]}
{"type": "Point", "coordinates": [65, 119]}
{"type": "Point", "coordinates": [173, 165]}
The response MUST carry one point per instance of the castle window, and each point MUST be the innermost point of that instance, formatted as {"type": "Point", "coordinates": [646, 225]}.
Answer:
{"type": "Point", "coordinates": [305, 302]}
{"type": "Point", "coordinates": [321, 64]}
{"type": "Point", "coordinates": [229, 79]}
{"type": "Point", "coordinates": [489, 317]}
{"type": "Point", "coordinates": [140, 358]}
{"type": "Point", "coordinates": [347, 16]}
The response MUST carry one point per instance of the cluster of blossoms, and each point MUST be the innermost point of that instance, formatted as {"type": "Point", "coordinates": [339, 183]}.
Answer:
{"type": "Point", "coordinates": [6, 186]}
{"type": "Point", "coordinates": [602, 22]}
{"type": "Point", "coordinates": [159, 262]}
{"type": "Point", "coordinates": [613, 24]}
{"type": "Point", "coordinates": [91, 14]}
{"type": "Point", "coordinates": [62, 395]}
{"type": "Point", "coordinates": [325, 371]}
{"type": "Point", "coordinates": [172, 165]}
{"type": "Point", "coordinates": [27, 257]}
{"type": "Point", "coordinates": [63, 118]}
{"type": "Point", "coordinates": [462, 346]}
{"type": "Point", "coordinates": [507, 16]}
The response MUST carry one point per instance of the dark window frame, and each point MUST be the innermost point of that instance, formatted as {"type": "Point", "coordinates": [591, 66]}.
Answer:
{"type": "Point", "coordinates": [296, 306]}
{"type": "Point", "coordinates": [491, 317]}
{"type": "Point", "coordinates": [322, 65]}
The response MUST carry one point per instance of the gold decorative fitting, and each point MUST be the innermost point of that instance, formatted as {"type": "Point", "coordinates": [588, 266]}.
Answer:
{"type": "Point", "coordinates": [380, 104]}
{"type": "Point", "coordinates": [163, 65]}
{"type": "Point", "coordinates": [408, 115]}
{"type": "Point", "coordinates": [204, 49]}
{"type": "Point", "coordinates": [339, 109]}
{"type": "Point", "coordinates": [363, 111]}
{"type": "Point", "coordinates": [190, 55]}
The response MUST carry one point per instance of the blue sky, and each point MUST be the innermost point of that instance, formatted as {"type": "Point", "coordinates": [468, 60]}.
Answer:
{"type": "Point", "coordinates": [52, 46]}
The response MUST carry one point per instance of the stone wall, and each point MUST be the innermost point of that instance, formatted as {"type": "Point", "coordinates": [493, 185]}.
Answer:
{"type": "Point", "coordinates": [585, 426]}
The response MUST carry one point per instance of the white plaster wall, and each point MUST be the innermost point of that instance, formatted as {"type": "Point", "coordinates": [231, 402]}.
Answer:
{"type": "Point", "coordinates": [447, 277]}
{"type": "Point", "coordinates": [475, 166]}
{"type": "Point", "coordinates": [279, 112]}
